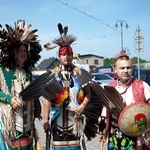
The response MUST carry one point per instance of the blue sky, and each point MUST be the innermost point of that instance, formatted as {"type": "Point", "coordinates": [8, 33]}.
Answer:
{"type": "Point", "coordinates": [92, 21]}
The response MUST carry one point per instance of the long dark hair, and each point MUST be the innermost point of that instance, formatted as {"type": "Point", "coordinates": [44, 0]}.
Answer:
{"type": "Point", "coordinates": [11, 60]}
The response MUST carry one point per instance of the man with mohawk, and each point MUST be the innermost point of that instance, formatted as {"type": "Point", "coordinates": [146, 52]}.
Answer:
{"type": "Point", "coordinates": [126, 119]}
{"type": "Point", "coordinates": [19, 53]}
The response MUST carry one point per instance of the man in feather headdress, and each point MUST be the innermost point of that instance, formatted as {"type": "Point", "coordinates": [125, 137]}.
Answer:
{"type": "Point", "coordinates": [71, 110]}
{"type": "Point", "coordinates": [126, 128]}
{"type": "Point", "coordinates": [19, 53]}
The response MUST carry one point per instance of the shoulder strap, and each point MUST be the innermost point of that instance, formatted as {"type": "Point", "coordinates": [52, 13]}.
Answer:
{"type": "Point", "coordinates": [114, 84]}
{"type": "Point", "coordinates": [137, 87]}
{"type": "Point", "coordinates": [138, 90]}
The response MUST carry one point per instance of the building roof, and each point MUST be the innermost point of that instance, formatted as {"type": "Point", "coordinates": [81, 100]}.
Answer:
{"type": "Point", "coordinates": [46, 63]}
{"type": "Point", "coordinates": [90, 55]}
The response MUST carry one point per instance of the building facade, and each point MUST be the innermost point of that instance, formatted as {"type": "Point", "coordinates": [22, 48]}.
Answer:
{"type": "Point", "coordinates": [94, 61]}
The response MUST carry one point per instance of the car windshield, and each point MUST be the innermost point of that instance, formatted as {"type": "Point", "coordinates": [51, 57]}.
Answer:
{"type": "Point", "coordinates": [144, 75]}
{"type": "Point", "coordinates": [101, 77]}
{"type": "Point", "coordinates": [34, 76]}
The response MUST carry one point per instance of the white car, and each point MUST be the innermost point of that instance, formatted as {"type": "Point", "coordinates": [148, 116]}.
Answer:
{"type": "Point", "coordinates": [103, 79]}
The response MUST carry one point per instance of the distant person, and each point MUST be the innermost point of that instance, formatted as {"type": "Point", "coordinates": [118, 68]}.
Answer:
{"type": "Point", "coordinates": [133, 92]}
{"type": "Point", "coordinates": [19, 52]}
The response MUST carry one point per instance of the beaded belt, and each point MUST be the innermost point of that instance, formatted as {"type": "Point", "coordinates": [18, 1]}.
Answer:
{"type": "Point", "coordinates": [66, 145]}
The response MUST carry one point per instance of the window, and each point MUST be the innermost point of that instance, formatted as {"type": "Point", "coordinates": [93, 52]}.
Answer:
{"type": "Point", "coordinates": [102, 77]}
{"type": "Point", "coordinates": [87, 61]}
{"type": "Point", "coordinates": [96, 61]}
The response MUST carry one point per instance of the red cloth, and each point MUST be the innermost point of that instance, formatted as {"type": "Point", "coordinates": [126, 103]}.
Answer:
{"type": "Point", "coordinates": [23, 142]}
{"type": "Point", "coordinates": [137, 87]}
{"type": "Point", "coordinates": [65, 50]}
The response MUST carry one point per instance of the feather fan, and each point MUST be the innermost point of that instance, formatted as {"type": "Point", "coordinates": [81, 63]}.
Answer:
{"type": "Point", "coordinates": [92, 112]}
{"type": "Point", "coordinates": [54, 92]}
{"type": "Point", "coordinates": [34, 89]}
{"type": "Point", "coordinates": [110, 97]}
{"type": "Point", "coordinates": [116, 98]}
{"type": "Point", "coordinates": [83, 76]}
{"type": "Point", "coordinates": [147, 138]}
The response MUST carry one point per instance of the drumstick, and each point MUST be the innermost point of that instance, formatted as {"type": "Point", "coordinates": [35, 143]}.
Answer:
{"type": "Point", "coordinates": [101, 144]}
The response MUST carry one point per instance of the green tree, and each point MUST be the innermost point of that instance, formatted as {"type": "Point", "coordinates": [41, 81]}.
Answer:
{"type": "Point", "coordinates": [135, 60]}
{"type": "Point", "coordinates": [109, 61]}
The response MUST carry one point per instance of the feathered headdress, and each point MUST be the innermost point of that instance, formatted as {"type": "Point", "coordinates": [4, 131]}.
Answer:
{"type": "Point", "coordinates": [11, 38]}
{"type": "Point", "coordinates": [64, 41]}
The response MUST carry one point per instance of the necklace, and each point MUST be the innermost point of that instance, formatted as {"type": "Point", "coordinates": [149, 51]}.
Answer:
{"type": "Point", "coordinates": [66, 75]}
{"type": "Point", "coordinates": [20, 75]}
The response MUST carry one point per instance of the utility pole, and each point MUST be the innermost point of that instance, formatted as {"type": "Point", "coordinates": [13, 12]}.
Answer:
{"type": "Point", "coordinates": [138, 45]}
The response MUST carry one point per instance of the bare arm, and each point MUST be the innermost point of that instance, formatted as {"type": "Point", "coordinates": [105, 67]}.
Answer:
{"type": "Point", "coordinates": [47, 106]}
{"type": "Point", "coordinates": [87, 95]}
{"type": "Point", "coordinates": [87, 98]}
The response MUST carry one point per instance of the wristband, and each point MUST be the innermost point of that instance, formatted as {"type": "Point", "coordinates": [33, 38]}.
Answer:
{"type": "Point", "coordinates": [83, 104]}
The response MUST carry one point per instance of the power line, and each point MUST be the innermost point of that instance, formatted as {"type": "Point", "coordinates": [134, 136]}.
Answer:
{"type": "Point", "coordinates": [90, 16]}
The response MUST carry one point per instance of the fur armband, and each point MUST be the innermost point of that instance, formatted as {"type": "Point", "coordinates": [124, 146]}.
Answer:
{"type": "Point", "coordinates": [102, 124]}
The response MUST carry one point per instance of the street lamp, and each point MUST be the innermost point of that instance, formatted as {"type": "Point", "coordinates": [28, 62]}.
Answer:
{"type": "Point", "coordinates": [121, 24]}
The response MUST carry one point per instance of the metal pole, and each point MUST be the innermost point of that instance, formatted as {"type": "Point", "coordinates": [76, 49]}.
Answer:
{"type": "Point", "coordinates": [138, 54]}
{"type": "Point", "coordinates": [121, 23]}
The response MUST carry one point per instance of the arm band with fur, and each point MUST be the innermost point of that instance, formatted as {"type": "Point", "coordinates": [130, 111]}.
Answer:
{"type": "Point", "coordinates": [102, 124]}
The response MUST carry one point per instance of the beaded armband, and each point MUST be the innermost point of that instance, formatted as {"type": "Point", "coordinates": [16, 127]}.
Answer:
{"type": "Point", "coordinates": [83, 104]}
{"type": "Point", "coordinates": [4, 99]}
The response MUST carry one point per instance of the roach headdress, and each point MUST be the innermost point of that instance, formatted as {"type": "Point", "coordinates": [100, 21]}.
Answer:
{"type": "Point", "coordinates": [11, 38]}
{"type": "Point", "coordinates": [64, 41]}
{"type": "Point", "coordinates": [121, 54]}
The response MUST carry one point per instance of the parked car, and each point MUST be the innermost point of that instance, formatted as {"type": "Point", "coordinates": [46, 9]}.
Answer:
{"type": "Point", "coordinates": [112, 74]}
{"type": "Point", "coordinates": [102, 78]}
{"type": "Point", "coordinates": [34, 76]}
{"type": "Point", "coordinates": [103, 69]}
{"type": "Point", "coordinates": [144, 75]}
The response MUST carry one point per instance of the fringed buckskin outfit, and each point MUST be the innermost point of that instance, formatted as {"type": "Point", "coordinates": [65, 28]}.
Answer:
{"type": "Point", "coordinates": [17, 125]}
